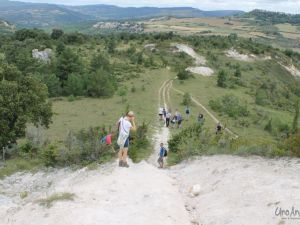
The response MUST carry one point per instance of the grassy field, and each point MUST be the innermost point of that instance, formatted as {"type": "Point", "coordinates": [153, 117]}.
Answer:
{"type": "Point", "coordinates": [87, 112]}
{"type": "Point", "coordinates": [205, 89]}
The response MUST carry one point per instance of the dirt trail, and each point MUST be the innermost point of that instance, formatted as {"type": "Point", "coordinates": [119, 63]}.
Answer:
{"type": "Point", "coordinates": [140, 195]}
{"type": "Point", "coordinates": [206, 110]}
{"type": "Point", "coordinates": [214, 190]}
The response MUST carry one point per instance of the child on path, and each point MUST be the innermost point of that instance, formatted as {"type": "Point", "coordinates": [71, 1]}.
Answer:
{"type": "Point", "coordinates": [162, 154]}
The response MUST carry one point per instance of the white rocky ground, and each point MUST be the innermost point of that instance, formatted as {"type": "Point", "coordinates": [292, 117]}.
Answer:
{"type": "Point", "coordinates": [292, 69]}
{"type": "Point", "coordinates": [233, 53]}
{"type": "Point", "coordinates": [213, 190]}
{"type": "Point", "coordinates": [200, 61]}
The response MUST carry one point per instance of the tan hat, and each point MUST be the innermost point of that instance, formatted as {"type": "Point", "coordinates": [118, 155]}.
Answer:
{"type": "Point", "coordinates": [130, 114]}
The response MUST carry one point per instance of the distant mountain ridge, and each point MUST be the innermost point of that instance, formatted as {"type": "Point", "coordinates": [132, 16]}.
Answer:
{"type": "Point", "coordinates": [49, 15]}
{"type": "Point", "coordinates": [273, 17]}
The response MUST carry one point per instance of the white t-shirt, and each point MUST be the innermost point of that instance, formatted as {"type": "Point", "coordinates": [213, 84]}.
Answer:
{"type": "Point", "coordinates": [160, 111]}
{"type": "Point", "coordinates": [168, 115]}
{"type": "Point", "coordinates": [125, 126]}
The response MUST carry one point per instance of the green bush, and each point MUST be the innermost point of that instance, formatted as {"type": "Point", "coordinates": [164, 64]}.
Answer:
{"type": "Point", "coordinates": [183, 74]}
{"type": "Point", "coordinates": [139, 144]}
{"type": "Point", "coordinates": [229, 105]}
{"type": "Point", "coordinates": [292, 144]}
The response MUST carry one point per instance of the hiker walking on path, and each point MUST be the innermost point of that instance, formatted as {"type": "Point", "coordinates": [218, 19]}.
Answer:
{"type": "Point", "coordinates": [179, 120]}
{"type": "Point", "coordinates": [160, 113]}
{"type": "Point", "coordinates": [164, 113]}
{"type": "Point", "coordinates": [200, 118]}
{"type": "Point", "coordinates": [162, 153]}
{"type": "Point", "coordinates": [168, 118]}
{"type": "Point", "coordinates": [126, 124]}
{"type": "Point", "coordinates": [187, 112]}
{"type": "Point", "coordinates": [219, 128]}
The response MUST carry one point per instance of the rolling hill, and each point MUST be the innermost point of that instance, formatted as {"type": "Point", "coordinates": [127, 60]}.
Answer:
{"type": "Point", "coordinates": [110, 12]}
{"type": "Point", "coordinates": [51, 15]}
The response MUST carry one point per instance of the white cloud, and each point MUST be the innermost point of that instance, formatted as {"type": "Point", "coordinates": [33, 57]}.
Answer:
{"type": "Point", "coordinates": [292, 6]}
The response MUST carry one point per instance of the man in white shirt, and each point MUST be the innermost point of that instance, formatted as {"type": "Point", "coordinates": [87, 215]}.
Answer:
{"type": "Point", "coordinates": [126, 124]}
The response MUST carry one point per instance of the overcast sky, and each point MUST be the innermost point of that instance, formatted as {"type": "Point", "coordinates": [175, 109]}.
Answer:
{"type": "Point", "coordinates": [292, 6]}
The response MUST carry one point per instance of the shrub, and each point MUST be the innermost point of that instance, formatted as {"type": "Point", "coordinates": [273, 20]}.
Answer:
{"type": "Point", "coordinates": [229, 105]}
{"type": "Point", "coordinates": [269, 126]}
{"type": "Point", "coordinates": [71, 98]}
{"type": "Point", "coordinates": [222, 78]}
{"type": "Point", "coordinates": [49, 155]}
{"type": "Point", "coordinates": [75, 85]}
{"type": "Point", "coordinates": [292, 144]}
{"type": "Point", "coordinates": [101, 84]}
{"type": "Point", "coordinates": [139, 146]}
{"type": "Point", "coordinates": [183, 74]}
{"type": "Point", "coordinates": [187, 100]}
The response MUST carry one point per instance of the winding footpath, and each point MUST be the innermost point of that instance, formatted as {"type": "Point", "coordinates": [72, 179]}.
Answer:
{"type": "Point", "coordinates": [210, 190]}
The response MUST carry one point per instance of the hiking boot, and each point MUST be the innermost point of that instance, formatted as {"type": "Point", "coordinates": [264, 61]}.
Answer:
{"type": "Point", "coordinates": [125, 164]}
{"type": "Point", "coordinates": [121, 164]}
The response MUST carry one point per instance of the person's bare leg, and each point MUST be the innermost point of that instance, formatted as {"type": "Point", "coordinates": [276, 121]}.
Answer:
{"type": "Point", "coordinates": [120, 154]}
{"type": "Point", "coordinates": [125, 153]}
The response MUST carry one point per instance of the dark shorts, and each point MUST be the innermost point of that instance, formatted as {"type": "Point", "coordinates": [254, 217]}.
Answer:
{"type": "Point", "coordinates": [160, 160]}
{"type": "Point", "coordinates": [126, 145]}
{"type": "Point", "coordinates": [179, 122]}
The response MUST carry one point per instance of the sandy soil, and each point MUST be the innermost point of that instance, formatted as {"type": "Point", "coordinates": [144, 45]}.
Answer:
{"type": "Point", "coordinates": [205, 71]}
{"type": "Point", "coordinates": [236, 190]}
{"type": "Point", "coordinates": [199, 60]}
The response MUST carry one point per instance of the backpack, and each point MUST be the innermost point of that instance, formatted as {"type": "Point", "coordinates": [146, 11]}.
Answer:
{"type": "Point", "coordinates": [166, 153]}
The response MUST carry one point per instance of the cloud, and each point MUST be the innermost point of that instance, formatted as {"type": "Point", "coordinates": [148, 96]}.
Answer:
{"type": "Point", "coordinates": [292, 6]}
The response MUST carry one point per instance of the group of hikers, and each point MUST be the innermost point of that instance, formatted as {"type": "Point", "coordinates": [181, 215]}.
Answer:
{"type": "Point", "coordinates": [126, 124]}
{"type": "Point", "coordinates": [176, 118]}
{"type": "Point", "coordinates": [169, 118]}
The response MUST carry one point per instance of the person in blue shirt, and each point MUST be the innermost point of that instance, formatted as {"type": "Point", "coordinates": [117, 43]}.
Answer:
{"type": "Point", "coordinates": [162, 154]}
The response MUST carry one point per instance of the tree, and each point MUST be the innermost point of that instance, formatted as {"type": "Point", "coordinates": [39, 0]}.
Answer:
{"type": "Point", "coordinates": [101, 84]}
{"type": "Point", "coordinates": [53, 84]}
{"type": "Point", "coordinates": [296, 118]}
{"type": "Point", "coordinates": [56, 34]}
{"type": "Point", "coordinates": [187, 100]}
{"type": "Point", "coordinates": [183, 74]}
{"type": "Point", "coordinates": [22, 102]}
{"type": "Point", "coordinates": [60, 48]}
{"type": "Point", "coordinates": [122, 93]}
{"type": "Point", "coordinates": [67, 63]}
{"type": "Point", "coordinates": [111, 45]}
{"type": "Point", "coordinates": [99, 61]}
{"type": "Point", "coordinates": [74, 85]}
{"type": "Point", "coordinates": [222, 78]}
{"type": "Point", "coordinates": [238, 72]}
{"type": "Point", "coordinates": [9, 72]}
